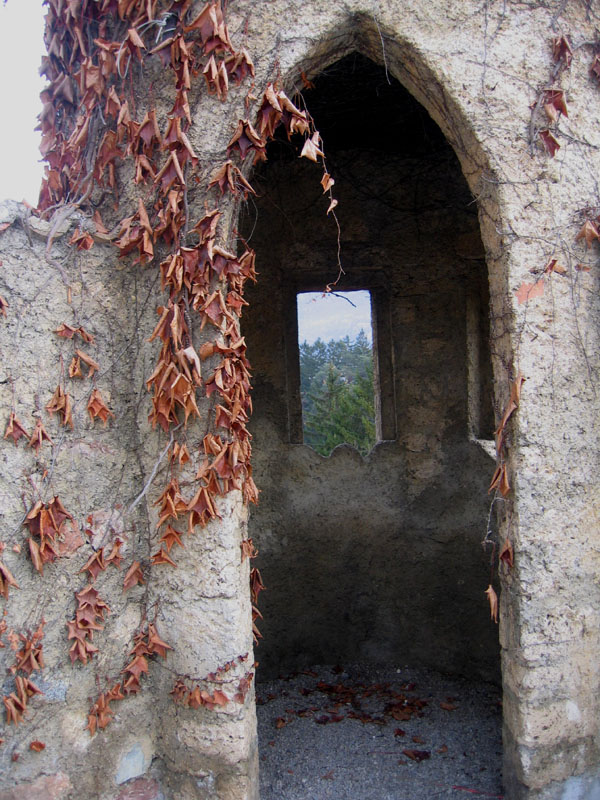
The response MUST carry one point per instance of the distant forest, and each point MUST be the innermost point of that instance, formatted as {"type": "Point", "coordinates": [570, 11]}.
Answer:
{"type": "Point", "coordinates": [336, 385]}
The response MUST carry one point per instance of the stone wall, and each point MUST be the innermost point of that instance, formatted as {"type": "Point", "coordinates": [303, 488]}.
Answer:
{"type": "Point", "coordinates": [478, 72]}
{"type": "Point", "coordinates": [99, 472]}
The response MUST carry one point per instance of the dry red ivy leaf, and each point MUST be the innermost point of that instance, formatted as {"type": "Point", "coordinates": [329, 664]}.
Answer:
{"type": "Point", "coordinates": [561, 50]}
{"type": "Point", "coordinates": [500, 480]}
{"type": "Point", "coordinates": [133, 576]}
{"type": "Point", "coordinates": [493, 601]}
{"type": "Point", "coordinates": [97, 408]}
{"type": "Point", "coordinates": [589, 233]}
{"type": "Point", "coordinates": [45, 522]}
{"type": "Point", "coordinates": [15, 429]}
{"type": "Point", "coordinates": [95, 564]}
{"type": "Point", "coordinates": [6, 580]}
{"type": "Point", "coordinates": [68, 332]}
{"type": "Point", "coordinates": [60, 403]}
{"type": "Point", "coordinates": [551, 145]}
{"type": "Point", "coordinates": [417, 755]}
{"type": "Point", "coordinates": [527, 291]}
{"type": "Point", "coordinates": [39, 436]}
{"type": "Point", "coordinates": [507, 554]}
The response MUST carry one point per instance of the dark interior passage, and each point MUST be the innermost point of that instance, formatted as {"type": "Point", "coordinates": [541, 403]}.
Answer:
{"type": "Point", "coordinates": [377, 559]}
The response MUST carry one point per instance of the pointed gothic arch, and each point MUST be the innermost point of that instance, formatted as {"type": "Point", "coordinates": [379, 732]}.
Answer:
{"type": "Point", "coordinates": [275, 391]}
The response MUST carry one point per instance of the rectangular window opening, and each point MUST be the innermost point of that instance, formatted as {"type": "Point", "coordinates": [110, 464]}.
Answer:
{"type": "Point", "coordinates": [335, 342]}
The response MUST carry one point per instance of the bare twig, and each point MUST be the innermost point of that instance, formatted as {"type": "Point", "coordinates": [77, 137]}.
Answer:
{"type": "Point", "coordinates": [150, 480]}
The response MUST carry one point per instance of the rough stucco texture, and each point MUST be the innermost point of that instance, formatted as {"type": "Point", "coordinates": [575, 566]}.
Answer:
{"type": "Point", "coordinates": [478, 72]}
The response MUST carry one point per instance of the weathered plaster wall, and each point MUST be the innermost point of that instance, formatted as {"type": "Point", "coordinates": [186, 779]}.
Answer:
{"type": "Point", "coordinates": [477, 70]}
{"type": "Point", "coordinates": [201, 609]}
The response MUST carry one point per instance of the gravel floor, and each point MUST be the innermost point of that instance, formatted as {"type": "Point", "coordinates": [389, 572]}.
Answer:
{"type": "Point", "coordinates": [363, 733]}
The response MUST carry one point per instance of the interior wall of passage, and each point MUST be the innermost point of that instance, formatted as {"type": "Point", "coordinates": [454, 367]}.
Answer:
{"type": "Point", "coordinates": [375, 559]}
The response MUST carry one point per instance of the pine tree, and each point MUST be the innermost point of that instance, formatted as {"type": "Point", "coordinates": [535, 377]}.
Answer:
{"type": "Point", "coordinates": [337, 394]}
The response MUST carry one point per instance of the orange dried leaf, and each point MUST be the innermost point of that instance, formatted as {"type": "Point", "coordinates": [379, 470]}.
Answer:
{"type": "Point", "coordinates": [554, 266]}
{"type": "Point", "coordinates": [95, 564]}
{"type": "Point", "coordinates": [162, 557]}
{"type": "Point", "coordinates": [75, 368]}
{"type": "Point", "coordinates": [327, 182]}
{"type": "Point", "coordinates": [248, 549]}
{"type": "Point", "coordinates": [92, 365]}
{"type": "Point", "coordinates": [555, 99]}
{"type": "Point", "coordinates": [507, 554]}
{"type": "Point", "coordinates": [115, 556]}
{"type": "Point", "coordinates": [493, 601]}
{"type": "Point", "coordinates": [171, 537]}
{"type": "Point", "coordinates": [156, 644]}
{"type": "Point", "coordinates": [589, 232]}
{"type": "Point", "coordinates": [527, 291]}
{"type": "Point", "coordinates": [38, 437]}
{"type": "Point", "coordinates": [133, 576]}
{"type": "Point", "coordinates": [551, 145]}
{"type": "Point", "coordinates": [311, 148]}
{"type": "Point", "coordinates": [66, 331]}
{"type": "Point", "coordinates": [15, 429]}
{"type": "Point", "coordinates": [36, 558]}
{"type": "Point", "coordinates": [500, 480]}
{"type": "Point", "coordinates": [6, 580]}
{"type": "Point", "coordinates": [60, 403]}
{"type": "Point", "coordinates": [97, 408]}
{"type": "Point", "coordinates": [561, 50]}
{"type": "Point", "coordinates": [137, 667]}
{"type": "Point", "coordinates": [37, 746]}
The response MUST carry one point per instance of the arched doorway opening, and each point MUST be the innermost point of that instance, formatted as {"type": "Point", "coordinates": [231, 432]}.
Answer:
{"type": "Point", "coordinates": [376, 560]}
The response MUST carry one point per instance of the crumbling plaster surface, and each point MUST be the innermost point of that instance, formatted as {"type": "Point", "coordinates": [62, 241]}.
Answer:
{"type": "Point", "coordinates": [477, 70]}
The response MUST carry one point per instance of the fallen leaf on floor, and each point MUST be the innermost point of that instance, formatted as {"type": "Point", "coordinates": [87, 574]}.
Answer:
{"type": "Point", "coordinates": [418, 740]}
{"type": "Point", "coordinates": [290, 771]}
{"type": "Point", "coordinates": [417, 755]}
{"type": "Point", "coordinates": [325, 720]}
{"type": "Point", "coordinates": [281, 722]}
{"type": "Point", "coordinates": [442, 749]}
{"type": "Point", "coordinates": [476, 791]}
{"type": "Point", "coordinates": [328, 776]}
{"type": "Point", "coordinates": [306, 712]}
{"type": "Point", "coordinates": [448, 706]}
{"type": "Point", "coordinates": [399, 732]}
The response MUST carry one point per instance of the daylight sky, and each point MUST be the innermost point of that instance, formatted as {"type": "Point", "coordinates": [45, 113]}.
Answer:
{"type": "Point", "coordinates": [329, 316]}
{"type": "Point", "coordinates": [21, 47]}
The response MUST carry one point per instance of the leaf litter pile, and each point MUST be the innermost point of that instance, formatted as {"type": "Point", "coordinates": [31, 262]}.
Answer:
{"type": "Point", "coordinates": [378, 734]}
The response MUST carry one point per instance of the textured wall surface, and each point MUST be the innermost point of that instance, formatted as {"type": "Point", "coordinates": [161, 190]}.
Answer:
{"type": "Point", "coordinates": [478, 71]}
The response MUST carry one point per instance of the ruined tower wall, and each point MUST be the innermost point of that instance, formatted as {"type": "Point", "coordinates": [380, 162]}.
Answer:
{"type": "Point", "coordinates": [478, 73]}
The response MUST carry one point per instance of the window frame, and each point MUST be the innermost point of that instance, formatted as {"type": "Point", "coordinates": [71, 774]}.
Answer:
{"type": "Point", "coordinates": [383, 366]}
